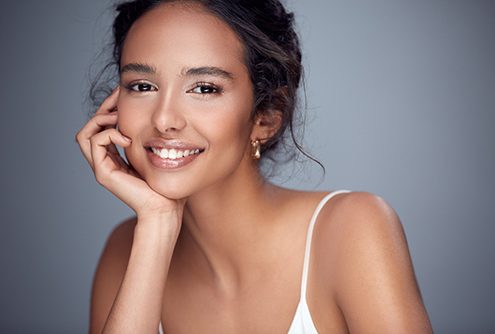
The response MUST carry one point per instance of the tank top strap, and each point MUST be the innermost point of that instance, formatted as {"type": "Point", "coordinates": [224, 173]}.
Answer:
{"type": "Point", "coordinates": [309, 236]}
{"type": "Point", "coordinates": [160, 328]}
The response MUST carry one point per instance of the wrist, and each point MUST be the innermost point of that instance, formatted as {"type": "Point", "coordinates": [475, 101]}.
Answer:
{"type": "Point", "coordinates": [162, 215]}
{"type": "Point", "coordinates": [168, 222]}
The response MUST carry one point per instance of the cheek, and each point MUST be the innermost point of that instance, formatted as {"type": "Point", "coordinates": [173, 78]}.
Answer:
{"type": "Point", "coordinates": [234, 123]}
{"type": "Point", "coordinates": [228, 136]}
{"type": "Point", "coordinates": [229, 124]}
{"type": "Point", "coordinates": [129, 121]}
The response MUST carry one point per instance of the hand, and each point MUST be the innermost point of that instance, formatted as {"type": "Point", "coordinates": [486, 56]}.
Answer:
{"type": "Point", "coordinates": [97, 140]}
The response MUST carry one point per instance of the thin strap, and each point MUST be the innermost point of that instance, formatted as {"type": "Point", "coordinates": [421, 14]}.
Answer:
{"type": "Point", "coordinates": [160, 328]}
{"type": "Point", "coordinates": [304, 280]}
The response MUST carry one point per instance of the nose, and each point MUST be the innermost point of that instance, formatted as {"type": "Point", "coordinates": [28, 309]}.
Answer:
{"type": "Point", "coordinates": [167, 116]}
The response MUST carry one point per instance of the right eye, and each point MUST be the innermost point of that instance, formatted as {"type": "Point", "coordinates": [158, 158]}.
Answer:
{"type": "Point", "coordinates": [141, 87]}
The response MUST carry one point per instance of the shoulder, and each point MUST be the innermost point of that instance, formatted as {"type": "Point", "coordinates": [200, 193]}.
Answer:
{"type": "Point", "coordinates": [372, 276]}
{"type": "Point", "coordinates": [360, 215]}
{"type": "Point", "coordinates": [359, 203]}
{"type": "Point", "coordinates": [110, 272]}
{"type": "Point", "coordinates": [352, 225]}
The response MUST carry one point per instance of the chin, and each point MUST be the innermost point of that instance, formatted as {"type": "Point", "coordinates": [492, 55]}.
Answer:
{"type": "Point", "coordinates": [169, 187]}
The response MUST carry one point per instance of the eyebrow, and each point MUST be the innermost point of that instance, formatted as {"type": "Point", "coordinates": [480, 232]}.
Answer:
{"type": "Point", "coordinates": [193, 71]}
{"type": "Point", "coordinates": [138, 67]}
{"type": "Point", "coordinates": [207, 70]}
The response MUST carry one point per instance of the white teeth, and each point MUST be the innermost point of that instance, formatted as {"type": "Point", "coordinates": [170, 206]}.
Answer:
{"type": "Point", "coordinates": [173, 153]}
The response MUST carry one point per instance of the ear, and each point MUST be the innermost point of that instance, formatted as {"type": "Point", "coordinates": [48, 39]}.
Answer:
{"type": "Point", "coordinates": [266, 125]}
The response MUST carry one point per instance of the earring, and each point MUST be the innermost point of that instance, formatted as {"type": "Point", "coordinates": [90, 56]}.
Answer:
{"type": "Point", "coordinates": [255, 149]}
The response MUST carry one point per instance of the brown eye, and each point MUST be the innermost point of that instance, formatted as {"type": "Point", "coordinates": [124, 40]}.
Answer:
{"type": "Point", "coordinates": [205, 89]}
{"type": "Point", "coordinates": [141, 87]}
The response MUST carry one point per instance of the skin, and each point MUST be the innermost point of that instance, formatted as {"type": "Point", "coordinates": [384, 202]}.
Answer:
{"type": "Point", "coordinates": [202, 256]}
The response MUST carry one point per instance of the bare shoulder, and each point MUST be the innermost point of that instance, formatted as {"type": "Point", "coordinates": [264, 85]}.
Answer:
{"type": "Point", "coordinates": [110, 272]}
{"type": "Point", "coordinates": [360, 213]}
{"type": "Point", "coordinates": [373, 280]}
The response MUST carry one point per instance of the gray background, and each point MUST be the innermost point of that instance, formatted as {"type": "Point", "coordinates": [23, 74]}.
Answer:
{"type": "Point", "coordinates": [401, 102]}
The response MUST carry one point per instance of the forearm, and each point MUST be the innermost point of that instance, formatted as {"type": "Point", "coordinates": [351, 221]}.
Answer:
{"type": "Point", "coordinates": [137, 307]}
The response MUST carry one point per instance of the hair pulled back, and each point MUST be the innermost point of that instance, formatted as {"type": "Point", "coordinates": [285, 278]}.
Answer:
{"type": "Point", "coordinates": [271, 50]}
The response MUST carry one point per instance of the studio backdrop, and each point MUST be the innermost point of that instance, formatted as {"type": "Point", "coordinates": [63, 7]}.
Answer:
{"type": "Point", "coordinates": [400, 102]}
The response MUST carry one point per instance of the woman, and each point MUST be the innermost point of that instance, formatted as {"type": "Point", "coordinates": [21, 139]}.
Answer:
{"type": "Point", "coordinates": [206, 90]}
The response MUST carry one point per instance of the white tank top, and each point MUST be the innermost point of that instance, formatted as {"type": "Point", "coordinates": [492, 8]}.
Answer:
{"type": "Point", "coordinates": [302, 323]}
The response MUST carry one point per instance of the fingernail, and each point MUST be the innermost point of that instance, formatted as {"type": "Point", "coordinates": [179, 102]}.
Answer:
{"type": "Point", "coordinates": [127, 138]}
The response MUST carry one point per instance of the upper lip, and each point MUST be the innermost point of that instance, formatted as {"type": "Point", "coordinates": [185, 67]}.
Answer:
{"type": "Point", "coordinates": [170, 143]}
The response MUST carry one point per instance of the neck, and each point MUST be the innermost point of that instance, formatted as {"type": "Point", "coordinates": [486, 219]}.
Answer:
{"type": "Point", "coordinates": [228, 231]}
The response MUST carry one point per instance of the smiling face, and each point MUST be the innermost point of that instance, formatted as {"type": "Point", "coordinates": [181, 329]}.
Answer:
{"type": "Point", "coordinates": [186, 100]}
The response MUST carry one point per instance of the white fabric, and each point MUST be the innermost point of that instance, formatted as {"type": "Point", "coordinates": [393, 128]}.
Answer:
{"type": "Point", "coordinates": [302, 323]}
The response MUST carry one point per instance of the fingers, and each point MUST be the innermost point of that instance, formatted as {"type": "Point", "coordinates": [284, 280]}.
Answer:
{"type": "Point", "coordinates": [104, 118]}
{"type": "Point", "coordinates": [110, 103]}
{"type": "Point", "coordinates": [113, 173]}
{"type": "Point", "coordinates": [99, 143]}
{"type": "Point", "coordinates": [94, 126]}
{"type": "Point", "coordinates": [115, 155]}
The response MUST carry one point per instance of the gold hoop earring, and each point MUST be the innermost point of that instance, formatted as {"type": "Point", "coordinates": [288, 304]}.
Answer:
{"type": "Point", "coordinates": [255, 149]}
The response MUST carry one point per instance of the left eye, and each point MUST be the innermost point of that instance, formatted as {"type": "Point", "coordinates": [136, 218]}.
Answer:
{"type": "Point", "coordinates": [205, 89]}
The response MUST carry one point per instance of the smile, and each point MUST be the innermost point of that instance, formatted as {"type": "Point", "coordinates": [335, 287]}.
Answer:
{"type": "Point", "coordinates": [172, 158]}
{"type": "Point", "coordinates": [173, 154]}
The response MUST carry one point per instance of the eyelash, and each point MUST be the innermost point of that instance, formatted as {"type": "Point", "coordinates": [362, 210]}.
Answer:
{"type": "Point", "coordinates": [216, 89]}
{"type": "Point", "coordinates": [135, 87]}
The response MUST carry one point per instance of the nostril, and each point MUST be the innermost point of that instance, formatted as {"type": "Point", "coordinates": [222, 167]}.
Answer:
{"type": "Point", "coordinates": [171, 129]}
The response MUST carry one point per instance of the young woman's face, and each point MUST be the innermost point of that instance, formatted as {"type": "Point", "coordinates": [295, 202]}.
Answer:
{"type": "Point", "coordinates": [185, 99]}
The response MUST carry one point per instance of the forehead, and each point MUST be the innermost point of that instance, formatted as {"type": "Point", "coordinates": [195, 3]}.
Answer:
{"type": "Point", "coordinates": [175, 34]}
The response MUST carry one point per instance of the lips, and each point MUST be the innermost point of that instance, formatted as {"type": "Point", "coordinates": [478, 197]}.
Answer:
{"type": "Point", "coordinates": [171, 154]}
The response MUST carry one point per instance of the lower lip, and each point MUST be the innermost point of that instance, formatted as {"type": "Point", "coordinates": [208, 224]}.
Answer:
{"type": "Point", "coordinates": [169, 163]}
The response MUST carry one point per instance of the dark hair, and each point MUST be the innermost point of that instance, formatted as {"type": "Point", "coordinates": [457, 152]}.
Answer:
{"type": "Point", "coordinates": [272, 56]}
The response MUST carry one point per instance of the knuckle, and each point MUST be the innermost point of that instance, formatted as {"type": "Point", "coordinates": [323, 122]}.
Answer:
{"type": "Point", "coordinates": [112, 132]}
{"type": "Point", "coordinates": [79, 136]}
{"type": "Point", "coordinates": [96, 118]}
{"type": "Point", "coordinates": [99, 118]}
